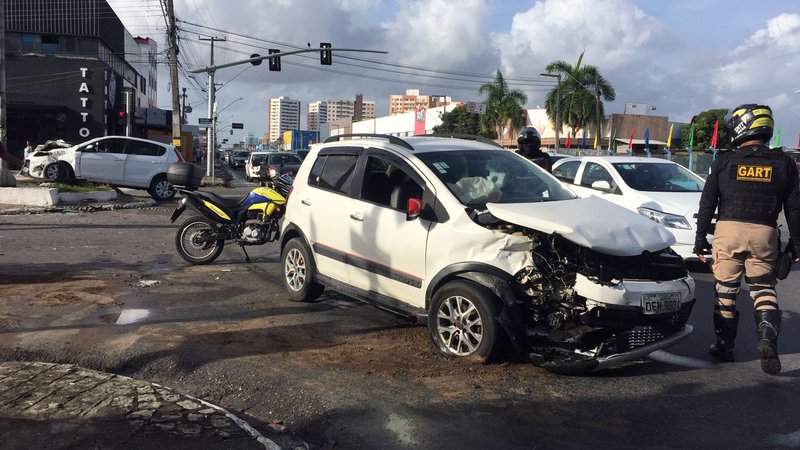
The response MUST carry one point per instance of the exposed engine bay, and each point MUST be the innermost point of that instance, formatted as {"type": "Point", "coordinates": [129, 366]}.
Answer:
{"type": "Point", "coordinates": [564, 326]}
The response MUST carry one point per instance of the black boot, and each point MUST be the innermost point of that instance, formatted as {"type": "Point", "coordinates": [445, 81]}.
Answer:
{"type": "Point", "coordinates": [768, 325]}
{"type": "Point", "coordinates": [726, 335]}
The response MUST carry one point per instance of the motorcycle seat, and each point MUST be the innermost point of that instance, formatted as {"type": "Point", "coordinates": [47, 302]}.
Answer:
{"type": "Point", "coordinates": [225, 202]}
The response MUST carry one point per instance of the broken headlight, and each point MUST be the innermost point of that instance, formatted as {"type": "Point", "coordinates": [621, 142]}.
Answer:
{"type": "Point", "coordinates": [666, 219]}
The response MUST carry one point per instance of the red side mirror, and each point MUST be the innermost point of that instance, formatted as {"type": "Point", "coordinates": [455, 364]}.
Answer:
{"type": "Point", "coordinates": [413, 209]}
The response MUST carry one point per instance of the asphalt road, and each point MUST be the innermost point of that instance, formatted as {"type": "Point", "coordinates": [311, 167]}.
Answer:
{"type": "Point", "coordinates": [107, 291]}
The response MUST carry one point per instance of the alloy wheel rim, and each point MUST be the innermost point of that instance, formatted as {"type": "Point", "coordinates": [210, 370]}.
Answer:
{"type": "Point", "coordinates": [295, 270]}
{"type": "Point", "coordinates": [459, 325]}
{"type": "Point", "coordinates": [52, 172]}
{"type": "Point", "coordinates": [163, 189]}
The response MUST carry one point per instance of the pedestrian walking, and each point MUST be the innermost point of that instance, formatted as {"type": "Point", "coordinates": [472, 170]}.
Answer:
{"type": "Point", "coordinates": [748, 187]}
{"type": "Point", "coordinates": [197, 155]}
{"type": "Point", "coordinates": [529, 145]}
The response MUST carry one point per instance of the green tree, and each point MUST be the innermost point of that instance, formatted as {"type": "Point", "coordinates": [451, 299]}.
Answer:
{"type": "Point", "coordinates": [503, 104]}
{"type": "Point", "coordinates": [704, 130]}
{"type": "Point", "coordinates": [581, 87]}
{"type": "Point", "coordinates": [462, 122]}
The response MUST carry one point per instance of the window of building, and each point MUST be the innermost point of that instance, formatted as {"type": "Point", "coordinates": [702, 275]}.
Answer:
{"type": "Point", "coordinates": [69, 45]}
{"type": "Point", "coordinates": [13, 42]}
{"type": "Point", "coordinates": [87, 47]}
{"type": "Point", "coordinates": [50, 44]}
{"type": "Point", "coordinates": [31, 43]}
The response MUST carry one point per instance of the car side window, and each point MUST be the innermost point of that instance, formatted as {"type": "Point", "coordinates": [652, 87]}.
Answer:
{"type": "Point", "coordinates": [111, 146]}
{"type": "Point", "coordinates": [595, 172]}
{"type": "Point", "coordinates": [144, 149]}
{"type": "Point", "coordinates": [337, 173]}
{"type": "Point", "coordinates": [388, 185]}
{"type": "Point", "coordinates": [567, 171]}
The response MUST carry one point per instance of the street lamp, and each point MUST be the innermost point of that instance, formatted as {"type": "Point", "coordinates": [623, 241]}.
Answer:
{"type": "Point", "coordinates": [558, 107]}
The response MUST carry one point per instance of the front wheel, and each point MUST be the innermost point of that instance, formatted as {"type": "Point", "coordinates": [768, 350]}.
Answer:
{"type": "Point", "coordinates": [193, 244]}
{"type": "Point", "coordinates": [462, 322]}
{"type": "Point", "coordinates": [298, 272]}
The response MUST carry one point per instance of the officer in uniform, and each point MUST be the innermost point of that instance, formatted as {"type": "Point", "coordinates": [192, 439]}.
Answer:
{"type": "Point", "coordinates": [748, 187]}
{"type": "Point", "coordinates": [529, 145]}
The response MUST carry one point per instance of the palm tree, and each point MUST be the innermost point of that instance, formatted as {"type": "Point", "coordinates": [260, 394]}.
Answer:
{"type": "Point", "coordinates": [582, 87]}
{"type": "Point", "coordinates": [503, 104]}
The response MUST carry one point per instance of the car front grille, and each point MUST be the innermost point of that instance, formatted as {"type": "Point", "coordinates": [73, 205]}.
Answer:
{"type": "Point", "coordinates": [643, 335]}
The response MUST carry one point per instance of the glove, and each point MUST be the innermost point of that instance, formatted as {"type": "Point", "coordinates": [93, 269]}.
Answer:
{"type": "Point", "coordinates": [701, 246]}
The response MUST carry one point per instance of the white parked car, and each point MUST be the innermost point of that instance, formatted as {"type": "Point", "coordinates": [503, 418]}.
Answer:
{"type": "Point", "coordinates": [660, 190]}
{"type": "Point", "coordinates": [486, 248]}
{"type": "Point", "coordinates": [253, 165]}
{"type": "Point", "coordinates": [119, 160]}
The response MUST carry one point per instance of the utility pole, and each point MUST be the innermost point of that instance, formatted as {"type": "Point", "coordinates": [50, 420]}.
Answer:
{"type": "Point", "coordinates": [6, 179]}
{"type": "Point", "coordinates": [172, 37]}
{"type": "Point", "coordinates": [597, 110]}
{"type": "Point", "coordinates": [212, 89]}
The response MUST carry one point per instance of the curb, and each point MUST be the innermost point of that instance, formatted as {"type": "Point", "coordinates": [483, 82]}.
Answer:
{"type": "Point", "coordinates": [75, 208]}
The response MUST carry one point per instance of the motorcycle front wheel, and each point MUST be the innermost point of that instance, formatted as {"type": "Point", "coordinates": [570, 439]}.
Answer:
{"type": "Point", "coordinates": [192, 242]}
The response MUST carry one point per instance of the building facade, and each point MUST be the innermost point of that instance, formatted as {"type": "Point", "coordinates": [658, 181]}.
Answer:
{"type": "Point", "coordinates": [284, 115]}
{"type": "Point", "coordinates": [410, 102]}
{"type": "Point", "coordinates": [146, 63]}
{"type": "Point", "coordinates": [66, 71]}
{"type": "Point", "coordinates": [316, 114]}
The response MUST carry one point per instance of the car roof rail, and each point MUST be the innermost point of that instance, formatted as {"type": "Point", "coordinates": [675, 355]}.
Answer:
{"type": "Point", "coordinates": [471, 137]}
{"type": "Point", "coordinates": [392, 139]}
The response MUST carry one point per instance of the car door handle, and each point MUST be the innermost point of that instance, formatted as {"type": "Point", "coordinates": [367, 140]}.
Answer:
{"type": "Point", "coordinates": [156, 162]}
{"type": "Point", "coordinates": [306, 202]}
{"type": "Point", "coordinates": [357, 217]}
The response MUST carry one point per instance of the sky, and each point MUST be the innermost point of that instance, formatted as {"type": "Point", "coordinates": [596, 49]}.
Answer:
{"type": "Point", "coordinates": [681, 57]}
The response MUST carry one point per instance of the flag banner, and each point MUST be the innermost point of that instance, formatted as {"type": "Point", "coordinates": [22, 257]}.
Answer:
{"type": "Point", "coordinates": [647, 138]}
{"type": "Point", "coordinates": [612, 144]}
{"type": "Point", "coordinates": [630, 140]}
{"type": "Point", "coordinates": [419, 122]}
{"type": "Point", "coordinates": [568, 135]}
{"type": "Point", "coordinates": [776, 141]}
{"type": "Point", "coordinates": [715, 135]}
{"type": "Point", "coordinates": [691, 136]}
{"type": "Point", "coordinates": [669, 138]}
{"type": "Point", "coordinates": [595, 142]}
{"type": "Point", "coordinates": [583, 145]}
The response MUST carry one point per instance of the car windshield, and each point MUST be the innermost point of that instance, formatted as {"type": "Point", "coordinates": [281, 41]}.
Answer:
{"type": "Point", "coordinates": [258, 159]}
{"type": "Point", "coordinates": [284, 159]}
{"type": "Point", "coordinates": [655, 177]}
{"type": "Point", "coordinates": [241, 154]}
{"type": "Point", "coordinates": [477, 177]}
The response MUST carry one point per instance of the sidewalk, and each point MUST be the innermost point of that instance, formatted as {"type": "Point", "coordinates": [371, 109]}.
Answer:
{"type": "Point", "coordinates": [59, 406]}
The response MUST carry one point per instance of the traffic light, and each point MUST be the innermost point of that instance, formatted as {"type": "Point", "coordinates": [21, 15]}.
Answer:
{"type": "Point", "coordinates": [274, 63]}
{"type": "Point", "coordinates": [121, 118]}
{"type": "Point", "coordinates": [325, 56]}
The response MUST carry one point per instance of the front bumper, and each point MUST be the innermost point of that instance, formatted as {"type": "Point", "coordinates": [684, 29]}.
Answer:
{"type": "Point", "coordinates": [644, 350]}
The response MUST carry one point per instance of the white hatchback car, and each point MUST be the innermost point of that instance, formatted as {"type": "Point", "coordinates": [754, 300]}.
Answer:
{"type": "Point", "coordinates": [253, 165]}
{"type": "Point", "coordinates": [119, 160]}
{"type": "Point", "coordinates": [660, 190]}
{"type": "Point", "coordinates": [487, 248]}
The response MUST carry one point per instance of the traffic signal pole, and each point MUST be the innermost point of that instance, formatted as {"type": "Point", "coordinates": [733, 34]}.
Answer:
{"type": "Point", "coordinates": [211, 134]}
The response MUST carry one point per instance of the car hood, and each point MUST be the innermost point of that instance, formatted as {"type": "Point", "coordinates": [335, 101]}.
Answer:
{"type": "Point", "coordinates": [681, 203]}
{"type": "Point", "coordinates": [590, 222]}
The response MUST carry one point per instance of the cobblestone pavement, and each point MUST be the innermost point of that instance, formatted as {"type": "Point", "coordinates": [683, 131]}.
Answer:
{"type": "Point", "coordinates": [59, 406]}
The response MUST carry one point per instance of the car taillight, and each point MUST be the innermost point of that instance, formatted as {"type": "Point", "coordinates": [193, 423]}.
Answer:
{"type": "Point", "coordinates": [180, 157]}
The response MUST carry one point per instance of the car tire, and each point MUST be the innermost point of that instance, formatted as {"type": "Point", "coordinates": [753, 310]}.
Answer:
{"type": "Point", "coordinates": [297, 272]}
{"type": "Point", "coordinates": [55, 172]}
{"type": "Point", "coordinates": [462, 322]}
{"type": "Point", "coordinates": [161, 189]}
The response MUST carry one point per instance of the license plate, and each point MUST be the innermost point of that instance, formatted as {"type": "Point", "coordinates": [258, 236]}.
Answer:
{"type": "Point", "coordinates": [661, 303]}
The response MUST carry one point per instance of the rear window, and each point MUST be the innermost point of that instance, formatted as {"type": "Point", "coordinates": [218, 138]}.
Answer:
{"type": "Point", "coordinates": [284, 159]}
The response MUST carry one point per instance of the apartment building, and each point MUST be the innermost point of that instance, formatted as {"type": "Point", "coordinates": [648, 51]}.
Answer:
{"type": "Point", "coordinates": [284, 115]}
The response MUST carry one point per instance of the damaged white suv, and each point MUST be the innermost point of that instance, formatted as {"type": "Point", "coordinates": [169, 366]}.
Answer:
{"type": "Point", "coordinates": [484, 247]}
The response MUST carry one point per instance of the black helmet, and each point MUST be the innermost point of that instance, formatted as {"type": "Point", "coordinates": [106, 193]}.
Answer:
{"type": "Point", "coordinates": [528, 140]}
{"type": "Point", "coordinates": [748, 122]}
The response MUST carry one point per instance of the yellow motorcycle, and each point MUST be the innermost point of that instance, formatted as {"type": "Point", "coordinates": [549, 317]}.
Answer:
{"type": "Point", "coordinates": [252, 220]}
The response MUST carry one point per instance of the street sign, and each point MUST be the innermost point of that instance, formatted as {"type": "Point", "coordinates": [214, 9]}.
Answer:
{"type": "Point", "coordinates": [476, 108]}
{"type": "Point", "coordinates": [204, 121]}
{"type": "Point", "coordinates": [237, 126]}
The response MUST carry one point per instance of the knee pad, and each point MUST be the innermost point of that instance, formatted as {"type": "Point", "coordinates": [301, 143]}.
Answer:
{"type": "Point", "coordinates": [764, 296]}
{"type": "Point", "coordinates": [727, 290]}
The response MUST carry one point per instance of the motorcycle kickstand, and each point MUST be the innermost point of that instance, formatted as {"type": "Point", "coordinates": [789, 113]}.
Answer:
{"type": "Point", "coordinates": [246, 256]}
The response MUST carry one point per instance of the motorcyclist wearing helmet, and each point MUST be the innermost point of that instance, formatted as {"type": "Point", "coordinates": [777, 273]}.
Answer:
{"type": "Point", "coordinates": [529, 145]}
{"type": "Point", "coordinates": [750, 185]}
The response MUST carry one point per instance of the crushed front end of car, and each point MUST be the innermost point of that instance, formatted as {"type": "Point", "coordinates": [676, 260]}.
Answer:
{"type": "Point", "coordinates": [586, 301]}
